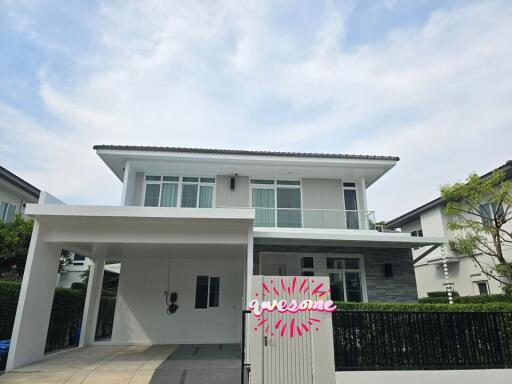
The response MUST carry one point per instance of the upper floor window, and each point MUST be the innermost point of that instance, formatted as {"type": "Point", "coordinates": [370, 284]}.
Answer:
{"type": "Point", "coordinates": [7, 212]}
{"type": "Point", "coordinates": [489, 211]}
{"type": "Point", "coordinates": [179, 191]}
{"type": "Point", "coordinates": [277, 203]}
{"type": "Point", "coordinates": [350, 200]}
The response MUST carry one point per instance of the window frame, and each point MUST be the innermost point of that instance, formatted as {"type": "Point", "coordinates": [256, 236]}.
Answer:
{"type": "Point", "coordinates": [477, 286]}
{"type": "Point", "coordinates": [180, 183]}
{"type": "Point", "coordinates": [210, 277]}
{"type": "Point", "coordinates": [3, 217]}
{"type": "Point", "coordinates": [319, 264]}
{"type": "Point", "coordinates": [357, 211]}
{"type": "Point", "coordinates": [344, 271]}
{"type": "Point", "coordinates": [275, 186]}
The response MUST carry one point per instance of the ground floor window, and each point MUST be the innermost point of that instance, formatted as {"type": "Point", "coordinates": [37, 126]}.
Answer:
{"type": "Point", "coordinates": [345, 277]}
{"type": "Point", "coordinates": [207, 292]}
{"type": "Point", "coordinates": [482, 287]}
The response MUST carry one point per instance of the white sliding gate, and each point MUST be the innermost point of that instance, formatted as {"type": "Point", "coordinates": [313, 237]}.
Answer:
{"type": "Point", "coordinates": [291, 348]}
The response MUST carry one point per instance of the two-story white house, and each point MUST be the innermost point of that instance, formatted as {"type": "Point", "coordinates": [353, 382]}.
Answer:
{"type": "Point", "coordinates": [15, 193]}
{"type": "Point", "coordinates": [197, 224]}
{"type": "Point", "coordinates": [465, 276]}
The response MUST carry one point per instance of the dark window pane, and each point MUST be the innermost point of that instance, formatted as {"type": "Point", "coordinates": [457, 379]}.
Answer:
{"type": "Point", "coordinates": [189, 196]}
{"type": "Point", "coordinates": [353, 282]}
{"type": "Point", "coordinates": [202, 292]}
{"type": "Point", "coordinates": [153, 178]}
{"type": "Point", "coordinates": [214, 291]}
{"type": "Point", "coordinates": [191, 179]}
{"type": "Point", "coordinates": [288, 182]}
{"type": "Point", "coordinates": [78, 258]}
{"type": "Point", "coordinates": [333, 263]}
{"type": "Point", "coordinates": [351, 263]}
{"type": "Point", "coordinates": [349, 185]}
{"type": "Point", "coordinates": [337, 291]}
{"type": "Point", "coordinates": [307, 262]}
{"type": "Point", "coordinates": [482, 289]}
{"type": "Point", "coordinates": [288, 198]}
{"type": "Point", "coordinates": [152, 195]}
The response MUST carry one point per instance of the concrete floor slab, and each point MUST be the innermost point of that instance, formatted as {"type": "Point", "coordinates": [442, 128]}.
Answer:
{"type": "Point", "coordinates": [156, 364]}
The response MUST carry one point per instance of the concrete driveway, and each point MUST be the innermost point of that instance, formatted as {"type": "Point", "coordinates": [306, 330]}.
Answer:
{"type": "Point", "coordinates": [158, 364]}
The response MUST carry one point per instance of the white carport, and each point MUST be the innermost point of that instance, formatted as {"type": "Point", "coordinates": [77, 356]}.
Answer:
{"type": "Point", "coordinates": [157, 247]}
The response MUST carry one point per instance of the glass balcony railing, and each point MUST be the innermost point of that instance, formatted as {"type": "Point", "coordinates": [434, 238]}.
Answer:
{"type": "Point", "coordinates": [314, 218]}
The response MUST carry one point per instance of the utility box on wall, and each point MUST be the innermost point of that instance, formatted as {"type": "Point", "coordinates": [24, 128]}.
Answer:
{"type": "Point", "coordinates": [287, 346]}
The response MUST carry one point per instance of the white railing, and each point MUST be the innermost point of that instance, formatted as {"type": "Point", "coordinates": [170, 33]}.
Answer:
{"type": "Point", "coordinates": [314, 218]}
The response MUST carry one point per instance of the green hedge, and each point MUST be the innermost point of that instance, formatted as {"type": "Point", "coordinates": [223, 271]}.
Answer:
{"type": "Point", "coordinates": [489, 307]}
{"type": "Point", "coordinates": [480, 299]}
{"type": "Point", "coordinates": [442, 294]}
{"type": "Point", "coordinates": [65, 318]}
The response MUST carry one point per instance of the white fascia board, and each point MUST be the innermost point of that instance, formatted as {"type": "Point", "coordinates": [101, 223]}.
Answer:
{"type": "Point", "coordinates": [36, 210]}
{"type": "Point", "coordinates": [346, 235]}
{"type": "Point", "coordinates": [108, 155]}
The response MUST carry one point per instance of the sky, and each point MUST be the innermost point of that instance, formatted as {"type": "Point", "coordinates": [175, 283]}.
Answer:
{"type": "Point", "coordinates": [428, 81]}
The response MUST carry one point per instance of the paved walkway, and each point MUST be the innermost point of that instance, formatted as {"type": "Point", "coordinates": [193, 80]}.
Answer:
{"type": "Point", "coordinates": [158, 364]}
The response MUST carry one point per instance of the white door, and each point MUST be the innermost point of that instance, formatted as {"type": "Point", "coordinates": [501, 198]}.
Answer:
{"type": "Point", "coordinates": [287, 337]}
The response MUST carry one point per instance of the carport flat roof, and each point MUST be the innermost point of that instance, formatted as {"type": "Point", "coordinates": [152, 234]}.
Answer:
{"type": "Point", "coordinates": [343, 237]}
{"type": "Point", "coordinates": [37, 210]}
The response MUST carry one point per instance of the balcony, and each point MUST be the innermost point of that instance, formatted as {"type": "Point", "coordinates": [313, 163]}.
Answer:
{"type": "Point", "coordinates": [314, 218]}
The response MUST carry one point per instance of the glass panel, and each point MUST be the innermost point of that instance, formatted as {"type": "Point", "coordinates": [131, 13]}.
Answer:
{"type": "Point", "coordinates": [3, 208]}
{"type": "Point", "coordinates": [169, 196]}
{"type": "Point", "coordinates": [289, 198]}
{"type": "Point", "coordinates": [208, 180]}
{"type": "Point", "coordinates": [261, 181]}
{"type": "Point", "coordinates": [486, 213]}
{"type": "Point", "coordinates": [351, 263]}
{"type": "Point", "coordinates": [171, 178]}
{"type": "Point", "coordinates": [482, 288]}
{"type": "Point", "coordinates": [353, 281]}
{"type": "Point", "coordinates": [349, 185]}
{"type": "Point", "coordinates": [264, 202]}
{"type": "Point", "coordinates": [337, 290]}
{"type": "Point", "coordinates": [152, 195]}
{"type": "Point", "coordinates": [9, 213]}
{"type": "Point", "coordinates": [214, 291]}
{"type": "Point", "coordinates": [333, 263]}
{"type": "Point", "coordinates": [306, 262]}
{"type": "Point", "coordinates": [288, 182]}
{"type": "Point", "coordinates": [189, 195]}
{"type": "Point", "coordinates": [205, 196]}
{"type": "Point", "coordinates": [202, 292]}
{"type": "Point", "coordinates": [191, 179]}
{"type": "Point", "coordinates": [351, 205]}
{"type": "Point", "coordinates": [152, 178]}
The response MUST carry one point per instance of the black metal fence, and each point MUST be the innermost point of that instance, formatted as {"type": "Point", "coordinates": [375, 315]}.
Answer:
{"type": "Point", "coordinates": [367, 340]}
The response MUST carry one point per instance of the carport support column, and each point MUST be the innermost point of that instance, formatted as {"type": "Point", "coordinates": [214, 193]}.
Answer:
{"type": "Point", "coordinates": [92, 300]}
{"type": "Point", "coordinates": [250, 266]}
{"type": "Point", "coordinates": [35, 301]}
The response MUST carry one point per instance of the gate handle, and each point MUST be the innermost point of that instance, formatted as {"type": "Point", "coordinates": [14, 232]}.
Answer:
{"type": "Point", "coordinates": [265, 340]}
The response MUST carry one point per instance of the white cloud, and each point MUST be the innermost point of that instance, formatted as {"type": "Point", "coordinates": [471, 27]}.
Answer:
{"type": "Point", "coordinates": [253, 74]}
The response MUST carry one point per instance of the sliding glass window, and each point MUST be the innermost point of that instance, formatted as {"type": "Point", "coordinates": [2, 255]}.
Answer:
{"type": "Point", "coordinates": [277, 203]}
{"type": "Point", "coordinates": [175, 191]}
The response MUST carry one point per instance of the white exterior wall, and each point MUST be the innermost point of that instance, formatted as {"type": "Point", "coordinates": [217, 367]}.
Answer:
{"type": "Point", "coordinates": [141, 317]}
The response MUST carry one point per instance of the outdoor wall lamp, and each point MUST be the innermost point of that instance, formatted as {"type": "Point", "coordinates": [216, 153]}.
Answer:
{"type": "Point", "coordinates": [170, 300]}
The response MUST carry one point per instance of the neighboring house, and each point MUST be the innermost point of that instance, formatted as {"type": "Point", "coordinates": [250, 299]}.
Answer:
{"type": "Point", "coordinates": [201, 223]}
{"type": "Point", "coordinates": [465, 276]}
{"type": "Point", "coordinates": [72, 271]}
{"type": "Point", "coordinates": [14, 194]}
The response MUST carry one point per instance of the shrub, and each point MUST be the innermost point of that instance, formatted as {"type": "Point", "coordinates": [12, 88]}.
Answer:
{"type": "Point", "coordinates": [65, 317]}
{"type": "Point", "coordinates": [443, 294]}
{"type": "Point", "coordinates": [479, 299]}
{"type": "Point", "coordinates": [488, 307]}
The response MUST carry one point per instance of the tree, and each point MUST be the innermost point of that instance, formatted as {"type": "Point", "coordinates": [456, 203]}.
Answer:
{"type": "Point", "coordinates": [14, 243]}
{"type": "Point", "coordinates": [480, 209]}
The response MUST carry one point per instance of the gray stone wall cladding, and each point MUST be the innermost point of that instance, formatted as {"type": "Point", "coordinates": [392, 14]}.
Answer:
{"type": "Point", "coordinates": [401, 288]}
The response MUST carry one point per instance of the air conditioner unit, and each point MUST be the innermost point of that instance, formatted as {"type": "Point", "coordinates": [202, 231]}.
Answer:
{"type": "Point", "coordinates": [379, 227]}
